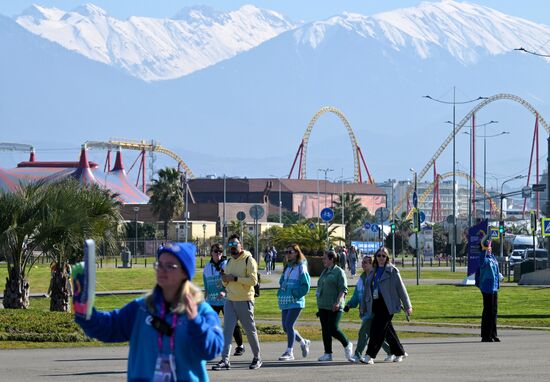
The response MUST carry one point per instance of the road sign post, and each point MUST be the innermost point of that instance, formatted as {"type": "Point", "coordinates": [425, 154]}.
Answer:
{"type": "Point", "coordinates": [327, 214]}
{"type": "Point", "coordinates": [256, 211]}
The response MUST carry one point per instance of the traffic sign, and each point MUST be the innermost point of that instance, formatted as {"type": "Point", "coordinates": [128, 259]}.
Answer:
{"type": "Point", "coordinates": [533, 222]}
{"type": "Point", "coordinates": [311, 225]}
{"type": "Point", "coordinates": [327, 214]}
{"type": "Point", "coordinates": [415, 200]}
{"type": "Point", "coordinates": [256, 211]}
{"type": "Point", "coordinates": [374, 228]}
{"type": "Point", "coordinates": [382, 214]}
{"type": "Point", "coordinates": [545, 226]}
{"type": "Point", "coordinates": [241, 216]}
{"type": "Point", "coordinates": [366, 225]}
{"type": "Point", "coordinates": [422, 216]}
{"type": "Point", "coordinates": [494, 233]}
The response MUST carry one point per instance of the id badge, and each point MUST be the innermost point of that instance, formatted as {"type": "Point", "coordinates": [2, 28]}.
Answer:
{"type": "Point", "coordinates": [375, 294]}
{"type": "Point", "coordinates": [165, 369]}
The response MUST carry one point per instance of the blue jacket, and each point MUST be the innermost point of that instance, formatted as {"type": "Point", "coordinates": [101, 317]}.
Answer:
{"type": "Point", "coordinates": [196, 340]}
{"type": "Point", "coordinates": [487, 275]}
{"type": "Point", "coordinates": [358, 298]}
{"type": "Point", "coordinates": [293, 286]}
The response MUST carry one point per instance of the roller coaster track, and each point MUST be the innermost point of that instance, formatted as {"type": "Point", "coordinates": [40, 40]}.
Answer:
{"type": "Point", "coordinates": [357, 154]}
{"type": "Point", "coordinates": [460, 125]}
{"type": "Point", "coordinates": [461, 174]}
{"type": "Point", "coordinates": [140, 146]}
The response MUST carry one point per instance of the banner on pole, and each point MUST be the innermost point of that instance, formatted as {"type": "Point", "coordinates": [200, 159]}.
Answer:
{"type": "Point", "coordinates": [475, 234]}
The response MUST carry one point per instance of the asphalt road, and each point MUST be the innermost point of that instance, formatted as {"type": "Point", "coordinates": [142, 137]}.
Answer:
{"type": "Point", "coordinates": [521, 356]}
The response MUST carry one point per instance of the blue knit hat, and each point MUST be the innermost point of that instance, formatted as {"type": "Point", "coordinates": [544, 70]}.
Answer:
{"type": "Point", "coordinates": [185, 252]}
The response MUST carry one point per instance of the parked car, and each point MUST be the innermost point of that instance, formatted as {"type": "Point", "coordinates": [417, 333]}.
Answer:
{"type": "Point", "coordinates": [540, 254]}
{"type": "Point", "coordinates": [516, 256]}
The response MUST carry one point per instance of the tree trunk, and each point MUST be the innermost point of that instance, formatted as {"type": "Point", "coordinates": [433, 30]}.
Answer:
{"type": "Point", "coordinates": [165, 226]}
{"type": "Point", "coordinates": [16, 294]}
{"type": "Point", "coordinates": [60, 291]}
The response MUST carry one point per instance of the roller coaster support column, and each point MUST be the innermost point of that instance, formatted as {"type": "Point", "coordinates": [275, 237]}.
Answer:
{"type": "Point", "coordinates": [547, 206]}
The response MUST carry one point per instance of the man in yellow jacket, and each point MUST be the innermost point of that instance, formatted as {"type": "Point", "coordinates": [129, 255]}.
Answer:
{"type": "Point", "coordinates": [239, 278]}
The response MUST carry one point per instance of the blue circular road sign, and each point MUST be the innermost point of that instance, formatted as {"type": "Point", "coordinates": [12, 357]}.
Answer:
{"type": "Point", "coordinates": [422, 216]}
{"type": "Point", "coordinates": [311, 225]}
{"type": "Point", "coordinates": [374, 228]}
{"type": "Point", "coordinates": [327, 214]}
{"type": "Point", "coordinates": [366, 225]}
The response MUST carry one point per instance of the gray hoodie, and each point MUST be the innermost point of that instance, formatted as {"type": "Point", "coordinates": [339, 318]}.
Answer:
{"type": "Point", "coordinates": [392, 289]}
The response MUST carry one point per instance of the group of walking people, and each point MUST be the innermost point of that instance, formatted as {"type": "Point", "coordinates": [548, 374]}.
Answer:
{"type": "Point", "coordinates": [175, 328]}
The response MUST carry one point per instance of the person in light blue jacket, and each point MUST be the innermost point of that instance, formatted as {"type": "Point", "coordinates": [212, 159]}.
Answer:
{"type": "Point", "coordinates": [294, 284]}
{"type": "Point", "coordinates": [358, 300]}
{"type": "Point", "coordinates": [172, 331]}
{"type": "Point", "coordinates": [487, 279]}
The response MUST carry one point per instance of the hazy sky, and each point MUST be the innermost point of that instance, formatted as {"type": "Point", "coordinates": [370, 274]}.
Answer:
{"type": "Point", "coordinates": [307, 10]}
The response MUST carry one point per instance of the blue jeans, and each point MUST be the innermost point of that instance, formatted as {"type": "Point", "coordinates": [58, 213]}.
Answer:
{"type": "Point", "coordinates": [289, 318]}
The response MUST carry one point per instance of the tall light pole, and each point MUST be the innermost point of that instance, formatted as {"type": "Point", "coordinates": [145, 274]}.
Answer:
{"type": "Point", "coordinates": [280, 198]}
{"type": "Point", "coordinates": [501, 208]}
{"type": "Point", "coordinates": [204, 238]}
{"type": "Point", "coordinates": [136, 210]}
{"type": "Point", "coordinates": [185, 185]}
{"type": "Point", "coordinates": [454, 103]}
{"type": "Point", "coordinates": [416, 234]}
{"type": "Point", "coordinates": [223, 213]}
{"type": "Point", "coordinates": [392, 184]}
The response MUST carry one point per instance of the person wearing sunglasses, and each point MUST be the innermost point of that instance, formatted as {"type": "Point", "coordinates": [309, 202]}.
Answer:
{"type": "Point", "coordinates": [358, 299]}
{"type": "Point", "coordinates": [172, 331]}
{"type": "Point", "coordinates": [294, 284]}
{"type": "Point", "coordinates": [215, 291]}
{"type": "Point", "coordinates": [332, 288]}
{"type": "Point", "coordinates": [239, 278]}
{"type": "Point", "coordinates": [385, 296]}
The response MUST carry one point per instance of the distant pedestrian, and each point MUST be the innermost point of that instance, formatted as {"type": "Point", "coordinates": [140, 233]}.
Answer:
{"type": "Point", "coordinates": [273, 258]}
{"type": "Point", "coordinates": [358, 299]}
{"type": "Point", "coordinates": [343, 258]}
{"type": "Point", "coordinates": [487, 279]}
{"type": "Point", "coordinates": [352, 260]}
{"type": "Point", "coordinates": [268, 258]}
{"type": "Point", "coordinates": [215, 291]}
{"type": "Point", "coordinates": [332, 288]}
{"type": "Point", "coordinates": [385, 296]}
{"type": "Point", "coordinates": [293, 286]}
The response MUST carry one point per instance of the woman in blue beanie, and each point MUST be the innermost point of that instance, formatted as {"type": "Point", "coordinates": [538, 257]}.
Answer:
{"type": "Point", "coordinates": [172, 331]}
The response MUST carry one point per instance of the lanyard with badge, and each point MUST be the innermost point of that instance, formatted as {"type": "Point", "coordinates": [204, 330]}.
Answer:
{"type": "Point", "coordinates": [375, 293]}
{"type": "Point", "coordinates": [165, 369]}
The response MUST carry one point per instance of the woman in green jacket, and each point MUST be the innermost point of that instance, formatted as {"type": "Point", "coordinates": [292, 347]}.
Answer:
{"type": "Point", "coordinates": [332, 288]}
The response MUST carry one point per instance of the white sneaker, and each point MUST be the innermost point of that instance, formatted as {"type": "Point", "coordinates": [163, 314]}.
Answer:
{"type": "Point", "coordinates": [398, 359]}
{"type": "Point", "coordinates": [389, 358]}
{"type": "Point", "coordinates": [286, 356]}
{"type": "Point", "coordinates": [355, 358]}
{"type": "Point", "coordinates": [348, 351]}
{"type": "Point", "coordinates": [366, 359]}
{"type": "Point", "coordinates": [325, 358]}
{"type": "Point", "coordinates": [305, 348]}
{"type": "Point", "coordinates": [405, 355]}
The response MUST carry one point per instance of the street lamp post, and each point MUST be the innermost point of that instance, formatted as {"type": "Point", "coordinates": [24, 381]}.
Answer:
{"type": "Point", "coordinates": [184, 179]}
{"type": "Point", "coordinates": [392, 185]}
{"type": "Point", "coordinates": [136, 210]}
{"type": "Point", "coordinates": [501, 207]}
{"type": "Point", "coordinates": [280, 198]}
{"type": "Point", "coordinates": [416, 235]}
{"type": "Point", "coordinates": [454, 103]}
{"type": "Point", "coordinates": [223, 213]}
{"type": "Point", "coordinates": [203, 242]}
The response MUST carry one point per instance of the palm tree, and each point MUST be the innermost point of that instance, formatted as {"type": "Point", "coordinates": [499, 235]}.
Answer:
{"type": "Point", "coordinates": [167, 196]}
{"type": "Point", "coordinates": [72, 213]}
{"type": "Point", "coordinates": [404, 227]}
{"type": "Point", "coordinates": [355, 214]}
{"type": "Point", "coordinates": [19, 222]}
{"type": "Point", "coordinates": [311, 240]}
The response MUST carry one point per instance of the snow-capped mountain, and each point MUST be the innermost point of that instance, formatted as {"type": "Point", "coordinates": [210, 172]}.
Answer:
{"type": "Point", "coordinates": [156, 49]}
{"type": "Point", "coordinates": [465, 30]}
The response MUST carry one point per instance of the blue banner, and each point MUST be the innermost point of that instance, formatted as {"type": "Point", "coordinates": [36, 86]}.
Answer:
{"type": "Point", "coordinates": [475, 234]}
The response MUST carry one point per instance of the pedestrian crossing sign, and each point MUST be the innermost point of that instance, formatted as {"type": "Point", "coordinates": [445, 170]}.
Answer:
{"type": "Point", "coordinates": [545, 226]}
{"type": "Point", "coordinates": [494, 233]}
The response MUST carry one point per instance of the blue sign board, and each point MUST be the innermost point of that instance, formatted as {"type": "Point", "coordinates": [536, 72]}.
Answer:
{"type": "Point", "coordinates": [475, 234]}
{"type": "Point", "coordinates": [311, 225]}
{"type": "Point", "coordinates": [546, 227]}
{"type": "Point", "coordinates": [366, 225]}
{"type": "Point", "coordinates": [415, 200]}
{"type": "Point", "coordinates": [374, 228]}
{"type": "Point", "coordinates": [327, 214]}
{"type": "Point", "coordinates": [422, 216]}
{"type": "Point", "coordinates": [494, 233]}
{"type": "Point", "coordinates": [367, 247]}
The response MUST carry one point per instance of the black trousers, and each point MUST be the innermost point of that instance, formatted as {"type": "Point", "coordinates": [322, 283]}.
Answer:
{"type": "Point", "coordinates": [489, 316]}
{"type": "Point", "coordinates": [237, 334]}
{"type": "Point", "coordinates": [382, 328]}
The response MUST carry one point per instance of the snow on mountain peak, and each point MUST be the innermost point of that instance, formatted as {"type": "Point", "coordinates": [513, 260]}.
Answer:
{"type": "Point", "coordinates": [463, 29]}
{"type": "Point", "coordinates": [157, 49]}
{"type": "Point", "coordinates": [90, 10]}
